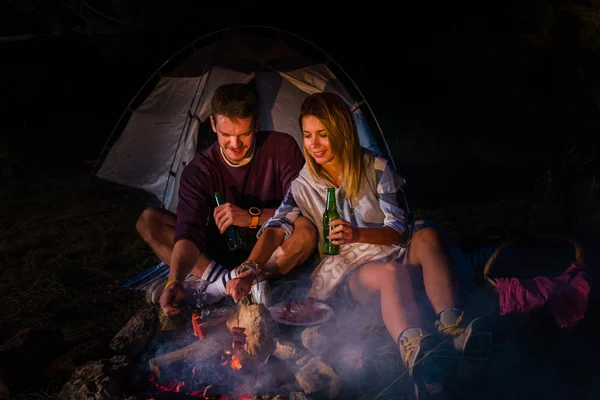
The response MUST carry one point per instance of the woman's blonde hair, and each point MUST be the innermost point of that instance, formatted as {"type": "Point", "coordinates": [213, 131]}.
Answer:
{"type": "Point", "coordinates": [337, 119]}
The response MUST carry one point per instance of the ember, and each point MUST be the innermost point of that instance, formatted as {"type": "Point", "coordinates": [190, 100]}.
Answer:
{"type": "Point", "coordinates": [233, 359]}
{"type": "Point", "coordinates": [180, 387]}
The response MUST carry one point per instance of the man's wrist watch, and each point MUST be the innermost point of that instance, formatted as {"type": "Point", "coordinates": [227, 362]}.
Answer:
{"type": "Point", "coordinates": [255, 214]}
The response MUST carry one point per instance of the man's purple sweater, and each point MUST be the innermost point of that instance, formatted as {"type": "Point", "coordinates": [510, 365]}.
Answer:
{"type": "Point", "coordinates": [261, 183]}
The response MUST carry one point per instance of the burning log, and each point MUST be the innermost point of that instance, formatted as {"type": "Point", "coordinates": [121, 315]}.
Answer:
{"type": "Point", "coordinates": [197, 351]}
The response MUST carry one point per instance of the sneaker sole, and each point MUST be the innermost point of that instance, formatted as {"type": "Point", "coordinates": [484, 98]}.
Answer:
{"type": "Point", "coordinates": [154, 291]}
{"type": "Point", "coordinates": [478, 339]}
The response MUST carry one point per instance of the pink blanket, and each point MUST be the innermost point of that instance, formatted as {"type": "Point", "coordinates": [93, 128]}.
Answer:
{"type": "Point", "coordinates": [566, 295]}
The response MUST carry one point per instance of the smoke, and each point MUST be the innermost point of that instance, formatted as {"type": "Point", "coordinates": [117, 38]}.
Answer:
{"type": "Point", "coordinates": [528, 357]}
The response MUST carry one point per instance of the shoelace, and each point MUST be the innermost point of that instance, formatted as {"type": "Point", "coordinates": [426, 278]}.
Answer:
{"type": "Point", "coordinates": [454, 329]}
{"type": "Point", "coordinates": [410, 346]}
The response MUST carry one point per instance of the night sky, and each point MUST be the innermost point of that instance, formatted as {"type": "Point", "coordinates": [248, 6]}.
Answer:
{"type": "Point", "coordinates": [495, 95]}
{"type": "Point", "coordinates": [511, 78]}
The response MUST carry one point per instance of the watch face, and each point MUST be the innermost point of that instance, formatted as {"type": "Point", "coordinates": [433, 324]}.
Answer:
{"type": "Point", "coordinates": [254, 211]}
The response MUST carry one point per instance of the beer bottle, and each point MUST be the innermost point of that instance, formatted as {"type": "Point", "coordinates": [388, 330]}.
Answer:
{"type": "Point", "coordinates": [234, 241]}
{"type": "Point", "coordinates": [330, 214]}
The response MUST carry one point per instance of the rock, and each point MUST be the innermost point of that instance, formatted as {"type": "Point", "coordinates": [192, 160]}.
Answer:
{"type": "Point", "coordinates": [316, 377]}
{"type": "Point", "coordinates": [316, 341]}
{"type": "Point", "coordinates": [98, 380]}
{"type": "Point", "coordinates": [260, 328]}
{"type": "Point", "coordinates": [303, 360]}
{"type": "Point", "coordinates": [134, 336]}
{"type": "Point", "coordinates": [285, 350]}
{"type": "Point", "coordinates": [62, 367]}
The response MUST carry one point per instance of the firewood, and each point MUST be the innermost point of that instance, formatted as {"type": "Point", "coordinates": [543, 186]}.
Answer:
{"type": "Point", "coordinates": [197, 351]}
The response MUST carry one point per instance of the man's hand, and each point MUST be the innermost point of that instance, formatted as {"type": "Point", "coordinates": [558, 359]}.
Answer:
{"type": "Point", "coordinates": [172, 298]}
{"type": "Point", "coordinates": [239, 288]}
{"type": "Point", "coordinates": [228, 214]}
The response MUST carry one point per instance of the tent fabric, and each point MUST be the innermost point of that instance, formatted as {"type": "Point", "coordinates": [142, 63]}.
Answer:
{"type": "Point", "coordinates": [161, 134]}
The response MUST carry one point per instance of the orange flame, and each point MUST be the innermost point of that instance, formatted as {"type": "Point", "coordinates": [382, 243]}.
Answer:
{"type": "Point", "coordinates": [234, 360]}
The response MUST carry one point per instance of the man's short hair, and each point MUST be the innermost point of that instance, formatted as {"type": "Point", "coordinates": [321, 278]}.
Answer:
{"type": "Point", "coordinates": [234, 100]}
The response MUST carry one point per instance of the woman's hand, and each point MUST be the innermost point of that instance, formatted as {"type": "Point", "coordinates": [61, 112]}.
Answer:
{"type": "Point", "coordinates": [343, 232]}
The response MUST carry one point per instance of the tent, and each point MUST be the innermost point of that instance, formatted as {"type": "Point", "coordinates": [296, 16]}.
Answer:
{"type": "Point", "coordinates": [166, 121]}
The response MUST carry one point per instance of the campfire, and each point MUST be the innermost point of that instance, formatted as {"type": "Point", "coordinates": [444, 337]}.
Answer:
{"type": "Point", "coordinates": [221, 362]}
{"type": "Point", "coordinates": [233, 352]}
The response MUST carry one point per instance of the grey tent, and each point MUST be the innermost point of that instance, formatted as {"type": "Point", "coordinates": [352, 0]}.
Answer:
{"type": "Point", "coordinates": [160, 131]}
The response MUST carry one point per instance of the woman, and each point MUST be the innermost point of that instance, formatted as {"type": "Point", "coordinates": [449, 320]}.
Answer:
{"type": "Point", "coordinates": [379, 246]}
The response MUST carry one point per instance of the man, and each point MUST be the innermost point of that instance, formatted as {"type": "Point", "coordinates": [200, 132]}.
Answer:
{"type": "Point", "coordinates": [252, 170]}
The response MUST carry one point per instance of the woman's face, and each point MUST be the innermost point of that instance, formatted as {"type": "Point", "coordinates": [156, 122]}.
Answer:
{"type": "Point", "coordinates": [316, 142]}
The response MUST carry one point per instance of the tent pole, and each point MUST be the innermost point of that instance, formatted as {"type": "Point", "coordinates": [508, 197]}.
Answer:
{"type": "Point", "coordinates": [207, 70]}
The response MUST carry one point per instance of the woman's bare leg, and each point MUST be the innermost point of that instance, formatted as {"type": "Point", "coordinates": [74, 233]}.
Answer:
{"type": "Point", "coordinates": [389, 283]}
{"type": "Point", "coordinates": [428, 250]}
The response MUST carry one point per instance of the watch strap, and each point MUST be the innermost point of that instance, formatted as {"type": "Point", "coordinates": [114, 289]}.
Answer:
{"type": "Point", "coordinates": [254, 222]}
{"type": "Point", "coordinates": [254, 217]}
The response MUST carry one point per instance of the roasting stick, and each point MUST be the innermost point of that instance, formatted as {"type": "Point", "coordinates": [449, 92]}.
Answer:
{"type": "Point", "coordinates": [238, 310]}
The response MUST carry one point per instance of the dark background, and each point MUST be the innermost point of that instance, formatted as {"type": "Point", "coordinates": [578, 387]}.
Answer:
{"type": "Point", "coordinates": [511, 86]}
{"type": "Point", "coordinates": [491, 111]}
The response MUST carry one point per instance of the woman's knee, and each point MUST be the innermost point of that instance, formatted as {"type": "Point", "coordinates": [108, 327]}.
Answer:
{"type": "Point", "coordinates": [385, 272]}
{"type": "Point", "coordinates": [427, 239]}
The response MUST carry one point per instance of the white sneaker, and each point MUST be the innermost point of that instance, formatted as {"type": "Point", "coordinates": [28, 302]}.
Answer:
{"type": "Point", "coordinates": [260, 293]}
{"type": "Point", "coordinates": [196, 294]}
{"type": "Point", "coordinates": [193, 286]}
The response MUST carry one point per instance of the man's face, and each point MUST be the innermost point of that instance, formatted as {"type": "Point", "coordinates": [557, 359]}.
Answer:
{"type": "Point", "coordinates": [235, 138]}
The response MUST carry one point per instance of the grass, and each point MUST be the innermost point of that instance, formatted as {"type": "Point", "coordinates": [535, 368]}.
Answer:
{"type": "Point", "coordinates": [60, 245]}
{"type": "Point", "coordinates": [65, 250]}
